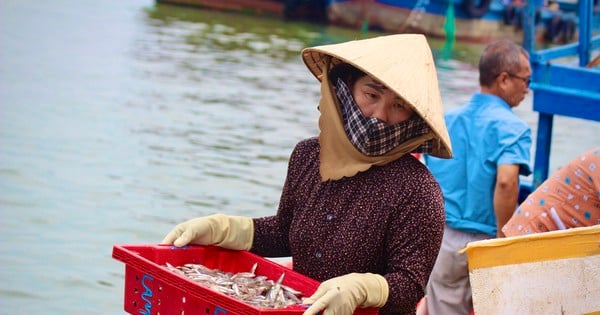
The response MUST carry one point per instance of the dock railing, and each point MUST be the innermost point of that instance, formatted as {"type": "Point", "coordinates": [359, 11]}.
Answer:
{"type": "Point", "coordinates": [561, 88]}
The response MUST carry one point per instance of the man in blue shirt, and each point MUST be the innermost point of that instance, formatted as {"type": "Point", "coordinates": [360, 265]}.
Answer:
{"type": "Point", "coordinates": [480, 183]}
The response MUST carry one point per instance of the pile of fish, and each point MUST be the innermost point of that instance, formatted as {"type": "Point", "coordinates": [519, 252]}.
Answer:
{"type": "Point", "coordinates": [248, 287]}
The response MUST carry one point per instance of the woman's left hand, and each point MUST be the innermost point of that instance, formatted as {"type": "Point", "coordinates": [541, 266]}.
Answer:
{"type": "Point", "coordinates": [342, 295]}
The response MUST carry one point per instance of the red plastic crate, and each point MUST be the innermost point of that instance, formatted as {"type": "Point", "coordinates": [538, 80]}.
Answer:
{"type": "Point", "coordinates": [151, 288]}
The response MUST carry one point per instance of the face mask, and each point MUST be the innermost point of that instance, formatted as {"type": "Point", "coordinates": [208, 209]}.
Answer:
{"type": "Point", "coordinates": [372, 136]}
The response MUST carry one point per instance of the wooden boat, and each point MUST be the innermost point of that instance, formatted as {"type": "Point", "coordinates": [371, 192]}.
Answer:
{"type": "Point", "coordinates": [308, 10]}
{"type": "Point", "coordinates": [463, 20]}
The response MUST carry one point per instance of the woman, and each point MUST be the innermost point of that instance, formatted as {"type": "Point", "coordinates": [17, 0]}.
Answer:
{"type": "Point", "coordinates": [357, 211]}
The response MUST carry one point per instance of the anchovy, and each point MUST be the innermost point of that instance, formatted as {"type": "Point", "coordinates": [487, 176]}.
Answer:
{"type": "Point", "coordinates": [253, 289]}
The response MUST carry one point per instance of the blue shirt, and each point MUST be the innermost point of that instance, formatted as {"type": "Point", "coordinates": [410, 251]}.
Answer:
{"type": "Point", "coordinates": [484, 134]}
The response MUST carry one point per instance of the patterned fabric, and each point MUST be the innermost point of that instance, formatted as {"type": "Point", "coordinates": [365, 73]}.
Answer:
{"type": "Point", "coordinates": [569, 198]}
{"type": "Point", "coordinates": [388, 220]}
{"type": "Point", "coordinates": [370, 135]}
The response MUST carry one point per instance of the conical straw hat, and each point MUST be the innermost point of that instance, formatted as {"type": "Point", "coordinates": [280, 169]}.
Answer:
{"type": "Point", "coordinates": [404, 64]}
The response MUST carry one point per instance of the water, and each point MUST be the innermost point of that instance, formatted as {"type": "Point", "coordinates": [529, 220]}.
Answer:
{"type": "Point", "coordinates": [119, 119]}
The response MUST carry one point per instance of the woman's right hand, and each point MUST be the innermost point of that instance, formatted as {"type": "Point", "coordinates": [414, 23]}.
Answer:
{"type": "Point", "coordinates": [232, 232]}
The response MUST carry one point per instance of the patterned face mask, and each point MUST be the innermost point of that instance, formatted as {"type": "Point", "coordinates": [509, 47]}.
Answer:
{"type": "Point", "coordinates": [370, 135]}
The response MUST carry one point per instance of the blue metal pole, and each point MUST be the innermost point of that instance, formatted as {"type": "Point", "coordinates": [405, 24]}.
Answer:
{"type": "Point", "coordinates": [585, 36]}
{"type": "Point", "coordinates": [542, 153]}
{"type": "Point", "coordinates": [529, 27]}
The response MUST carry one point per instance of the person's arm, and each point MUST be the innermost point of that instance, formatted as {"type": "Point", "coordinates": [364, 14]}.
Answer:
{"type": "Point", "coordinates": [271, 233]}
{"type": "Point", "coordinates": [506, 194]}
{"type": "Point", "coordinates": [414, 240]}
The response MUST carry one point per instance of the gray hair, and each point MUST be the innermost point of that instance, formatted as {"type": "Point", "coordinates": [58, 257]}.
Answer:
{"type": "Point", "coordinates": [500, 56]}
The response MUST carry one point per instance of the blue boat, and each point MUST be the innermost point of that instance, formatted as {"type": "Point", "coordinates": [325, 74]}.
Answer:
{"type": "Point", "coordinates": [464, 20]}
{"type": "Point", "coordinates": [560, 88]}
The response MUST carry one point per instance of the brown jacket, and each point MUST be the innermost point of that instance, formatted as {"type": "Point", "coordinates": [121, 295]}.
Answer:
{"type": "Point", "coordinates": [387, 220]}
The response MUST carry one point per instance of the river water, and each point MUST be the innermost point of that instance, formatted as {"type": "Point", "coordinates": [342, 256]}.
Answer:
{"type": "Point", "coordinates": [119, 119]}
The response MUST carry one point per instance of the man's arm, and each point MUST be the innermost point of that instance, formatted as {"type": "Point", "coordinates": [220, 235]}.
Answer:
{"type": "Point", "coordinates": [506, 194]}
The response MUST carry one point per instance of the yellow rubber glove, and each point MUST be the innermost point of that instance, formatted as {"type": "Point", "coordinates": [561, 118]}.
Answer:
{"type": "Point", "coordinates": [232, 232]}
{"type": "Point", "coordinates": [342, 295]}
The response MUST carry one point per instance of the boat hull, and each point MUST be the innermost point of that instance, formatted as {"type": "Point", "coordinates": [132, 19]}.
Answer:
{"type": "Point", "coordinates": [308, 10]}
{"type": "Point", "coordinates": [415, 19]}
{"type": "Point", "coordinates": [275, 8]}
{"type": "Point", "coordinates": [471, 21]}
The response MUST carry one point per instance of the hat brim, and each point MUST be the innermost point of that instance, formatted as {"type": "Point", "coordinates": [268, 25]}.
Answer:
{"type": "Point", "coordinates": [410, 73]}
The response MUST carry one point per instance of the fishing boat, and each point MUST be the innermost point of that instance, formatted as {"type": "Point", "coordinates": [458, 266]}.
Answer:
{"type": "Point", "coordinates": [531, 273]}
{"type": "Point", "coordinates": [463, 20]}
{"type": "Point", "coordinates": [307, 10]}
{"type": "Point", "coordinates": [560, 88]}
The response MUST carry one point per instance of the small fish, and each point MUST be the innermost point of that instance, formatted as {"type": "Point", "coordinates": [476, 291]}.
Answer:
{"type": "Point", "coordinates": [275, 289]}
{"type": "Point", "coordinates": [256, 290]}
